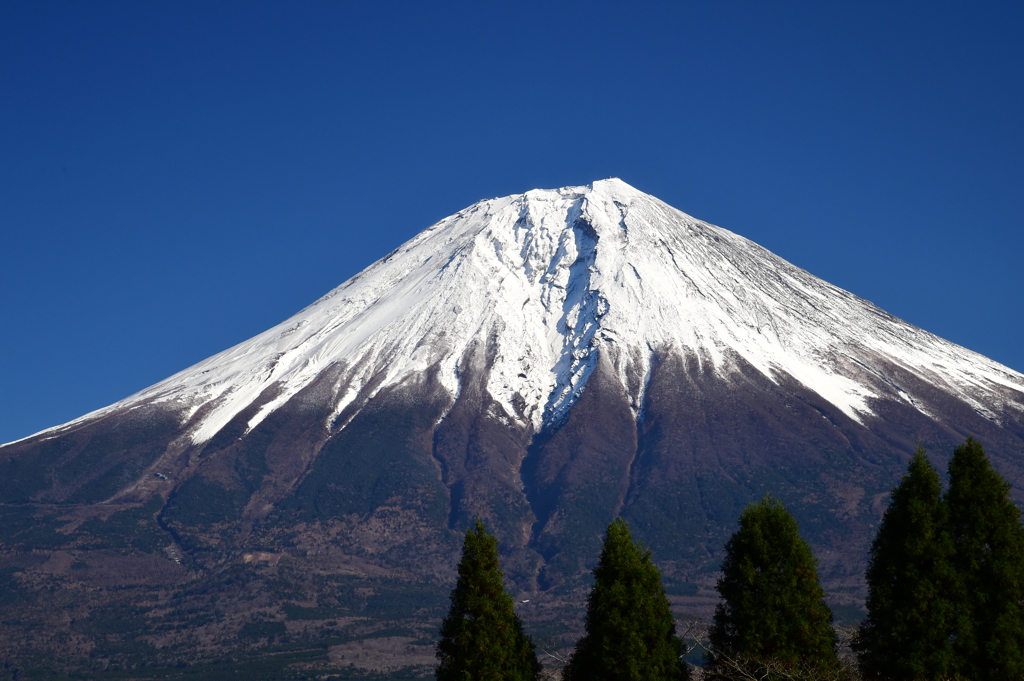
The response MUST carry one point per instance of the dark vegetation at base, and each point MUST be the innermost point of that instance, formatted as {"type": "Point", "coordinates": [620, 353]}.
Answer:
{"type": "Point", "coordinates": [201, 503]}
{"type": "Point", "coordinates": [27, 527]}
{"type": "Point", "coordinates": [87, 466]}
{"type": "Point", "coordinates": [675, 587]}
{"type": "Point", "coordinates": [848, 615]}
{"type": "Point", "coordinates": [275, 666]}
{"type": "Point", "coordinates": [135, 528]}
{"type": "Point", "coordinates": [23, 476]}
{"type": "Point", "coordinates": [373, 481]}
{"type": "Point", "coordinates": [142, 632]}
{"type": "Point", "coordinates": [381, 455]}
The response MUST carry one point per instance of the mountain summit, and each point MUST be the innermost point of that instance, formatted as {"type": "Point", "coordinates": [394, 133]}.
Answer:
{"type": "Point", "coordinates": [546, 361]}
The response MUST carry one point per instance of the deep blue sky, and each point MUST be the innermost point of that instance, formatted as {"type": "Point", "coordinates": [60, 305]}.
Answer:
{"type": "Point", "coordinates": [177, 177]}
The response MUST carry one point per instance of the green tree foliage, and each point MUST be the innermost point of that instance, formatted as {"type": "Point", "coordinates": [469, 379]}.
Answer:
{"type": "Point", "coordinates": [482, 638]}
{"type": "Point", "coordinates": [988, 546]}
{"type": "Point", "coordinates": [630, 632]}
{"type": "Point", "coordinates": [910, 584]}
{"type": "Point", "coordinates": [773, 610]}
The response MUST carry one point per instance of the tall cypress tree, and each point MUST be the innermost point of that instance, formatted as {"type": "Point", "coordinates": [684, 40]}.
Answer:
{"type": "Point", "coordinates": [482, 638]}
{"type": "Point", "coordinates": [989, 556]}
{"type": "Point", "coordinates": [910, 584]}
{"type": "Point", "coordinates": [773, 609]}
{"type": "Point", "coordinates": [630, 631]}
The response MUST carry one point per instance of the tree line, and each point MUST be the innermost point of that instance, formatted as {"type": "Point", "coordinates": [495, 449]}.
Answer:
{"type": "Point", "coordinates": [945, 598]}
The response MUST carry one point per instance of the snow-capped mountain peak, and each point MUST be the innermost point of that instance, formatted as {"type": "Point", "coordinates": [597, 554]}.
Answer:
{"type": "Point", "coordinates": [535, 290]}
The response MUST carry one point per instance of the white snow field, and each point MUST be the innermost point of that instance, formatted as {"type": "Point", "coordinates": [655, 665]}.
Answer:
{"type": "Point", "coordinates": [546, 281]}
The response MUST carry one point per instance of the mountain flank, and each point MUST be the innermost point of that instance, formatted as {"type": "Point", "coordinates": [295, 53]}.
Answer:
{"type": "Point", "coordinates": [546, 362]}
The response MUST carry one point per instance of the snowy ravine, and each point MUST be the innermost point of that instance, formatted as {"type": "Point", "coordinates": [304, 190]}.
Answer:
{"type": "Point", "coordinates": [547, 281]}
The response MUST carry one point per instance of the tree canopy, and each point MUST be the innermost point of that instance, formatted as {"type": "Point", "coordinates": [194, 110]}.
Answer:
{"type": "Point", "coordinates": [946, 577]}
{"type": "Point", "coordinates": [988, 555]}
{"type": "Point", "coordinates": [482, 638]}
{"type": "Point", "coordinates": [630, 632]}
{"type": "Point", "coordinates": [911, 583]}
{"type": "Point", "coordinates": [772, 609]}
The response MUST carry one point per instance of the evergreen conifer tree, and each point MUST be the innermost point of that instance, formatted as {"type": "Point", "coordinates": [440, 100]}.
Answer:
{"type": "Point", "coordinates": [910, 584]}
{"type": "Point", "coordinates": [988, 546]}
{"type": "Point", "coordinates": [630, 632]}
{"type": "Point", "coordinates": [482, 638]}
{"type": "Point", "coordinates": [773, 610]}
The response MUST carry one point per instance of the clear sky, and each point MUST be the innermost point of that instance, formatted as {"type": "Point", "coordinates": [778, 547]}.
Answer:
{"type": "Point", "coordinates": [176, 177]}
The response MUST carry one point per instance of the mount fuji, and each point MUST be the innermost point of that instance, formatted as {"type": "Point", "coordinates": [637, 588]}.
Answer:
{"type": "Point", "coordinates": [546, 361]}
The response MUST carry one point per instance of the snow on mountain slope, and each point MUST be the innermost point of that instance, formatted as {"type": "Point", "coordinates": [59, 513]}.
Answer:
{"type": "Point", "coordinates": [541, 283]}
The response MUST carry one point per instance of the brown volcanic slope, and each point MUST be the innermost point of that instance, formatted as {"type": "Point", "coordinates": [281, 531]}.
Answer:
{"type": "Point", "coordinates": [545, 361]}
